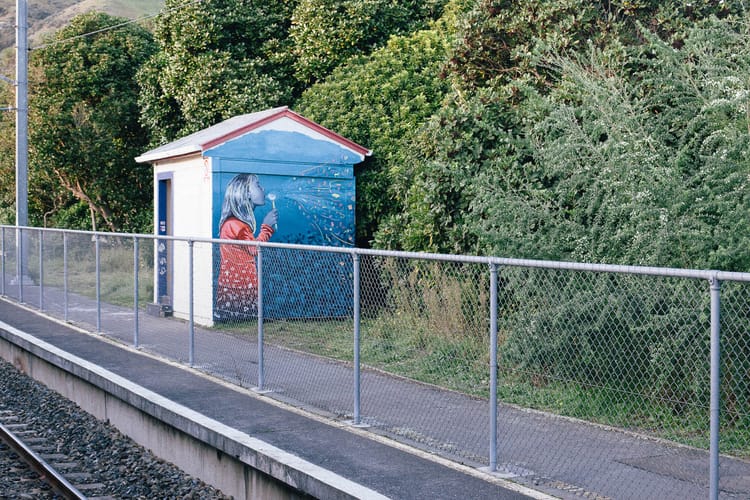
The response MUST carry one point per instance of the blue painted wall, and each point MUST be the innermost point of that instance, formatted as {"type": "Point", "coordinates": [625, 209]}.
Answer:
{"type": "Point", "coordinates": [313, 181]}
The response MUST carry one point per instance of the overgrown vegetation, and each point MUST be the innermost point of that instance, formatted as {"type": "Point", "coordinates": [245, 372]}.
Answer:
{"type": "Point", "coordinates": [628, 351]}
{"type": "Point", "coordinates": [84, 126]}
{"type": "Point", "coordinates": [608, 132]}
{"type": "Point", "coordinates": [612, 132]}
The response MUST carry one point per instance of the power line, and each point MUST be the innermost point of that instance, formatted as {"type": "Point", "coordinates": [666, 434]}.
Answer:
{"type": "Point", "coordinates": [117, 26]}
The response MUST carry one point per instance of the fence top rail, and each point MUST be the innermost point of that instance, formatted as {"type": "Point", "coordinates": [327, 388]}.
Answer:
{"type": "Point", "coordinates": [712, 275]}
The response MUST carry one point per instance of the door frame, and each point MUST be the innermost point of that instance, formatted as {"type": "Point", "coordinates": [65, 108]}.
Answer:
{"type": "Point", "coordinates": [163, 254]}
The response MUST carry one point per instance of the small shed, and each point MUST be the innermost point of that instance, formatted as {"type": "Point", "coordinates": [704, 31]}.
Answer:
{"type": "Point", "coordinates": [307, 174]}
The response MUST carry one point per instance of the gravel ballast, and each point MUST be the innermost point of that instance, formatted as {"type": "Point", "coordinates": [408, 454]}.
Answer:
{"type": "Point", "coordinates": [124, 468]}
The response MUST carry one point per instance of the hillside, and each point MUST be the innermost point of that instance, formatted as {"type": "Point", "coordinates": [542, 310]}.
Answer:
{"type": "Point", "coordinates": [47, 16]}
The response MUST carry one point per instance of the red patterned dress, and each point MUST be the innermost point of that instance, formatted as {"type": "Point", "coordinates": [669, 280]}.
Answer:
{"type": "Point", "coordinates": [237, 290]}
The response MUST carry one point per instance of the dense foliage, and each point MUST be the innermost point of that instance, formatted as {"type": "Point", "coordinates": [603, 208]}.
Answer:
{"type": "Point", "coordinates": [220, 58]}
{"type": "Point", "coordinates": [562, 129]}
{"type": "Point", "coordinates": [326, 33]}
{"type": "Point", "coordinates": [7, 159]}
{"type": "Point", "coordinates": [382, 100]}
{"type": "Point", "coordinates": [564, 145]}
{"type": "Point", "coordinates": [217, 59]}
{"type": "Point", "coordinates": [639, 167]}
{"type": "Point", "coordinates": [84, 130]}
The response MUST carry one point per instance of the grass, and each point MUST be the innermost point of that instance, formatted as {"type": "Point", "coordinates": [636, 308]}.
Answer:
{"type": "Point", "coordinates": [462, 366]}
{"type": "Point", "coordinates": [116, 266]}
{"type": "Point", "coordinates": [435, 338]}
{"type": "Point", "coordinates": [131, 9]}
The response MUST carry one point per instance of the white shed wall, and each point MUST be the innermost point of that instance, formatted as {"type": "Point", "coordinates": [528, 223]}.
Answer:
{"type": "Point", "coordinates": [191, 211]}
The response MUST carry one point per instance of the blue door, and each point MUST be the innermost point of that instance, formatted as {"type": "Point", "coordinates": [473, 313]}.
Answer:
{"type": "Point", "coordinates": [164, 247]}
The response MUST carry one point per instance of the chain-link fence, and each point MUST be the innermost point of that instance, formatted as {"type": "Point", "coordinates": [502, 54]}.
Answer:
{"type": "Point", "coordinates": [577, 380]}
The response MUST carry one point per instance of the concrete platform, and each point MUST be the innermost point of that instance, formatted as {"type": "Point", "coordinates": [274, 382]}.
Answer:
{"type": "Point", "coordinates": [313, 456]}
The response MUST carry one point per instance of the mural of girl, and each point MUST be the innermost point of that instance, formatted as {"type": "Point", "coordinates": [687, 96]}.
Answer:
{"type": "Point", "coordinates": [237, 283]}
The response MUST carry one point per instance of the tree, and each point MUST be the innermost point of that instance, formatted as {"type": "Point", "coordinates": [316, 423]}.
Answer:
{"type": "Point", "coordinates": [506, 40]}
{"type": "Point", "coordinates": [84, 130]}
{"type": "Point", "coordinates": [328, 32]}
{"type": "Point", "coordinates": [545, 147]}
{"type": "Point", "coordinates": [217, 59]}
{"type": "Point", "coordinates": [632, 167]}
{"type": "Point", "coordinates": [454, 147]}
{"type": "Point", "coordinates": [381, 101]}
{"type": "Point", "coordinates": [7, 158]}
{"type": "Point", "coordinates": [699, 105]}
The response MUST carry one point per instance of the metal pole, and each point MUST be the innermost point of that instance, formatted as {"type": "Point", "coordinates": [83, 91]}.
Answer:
{"type": "Point", "coordinates": [65, 276]}
{"type": "Point", "coordinates": [19, 265]}
{"type": "Point", "coordinates": [135, 292]}
{"type": "Point", "coordinates": [493, 367]}
{"type": "Point", "coordinates": [357, 368]}
{"type": "Point", "coordinates": [191, 293]}
{"type": "Point", "coordinates": [2, 256]}
{"type": "Point", "coordinates": [261, 366]}
{"type": "Point", "coordinates": [22, 145]}
{"type": "Point", "coordinates": [715, 388]}
{"type": "Point", "coordinates": [41, 270]}
{"type": "Point", "coordinates": [98, 285]}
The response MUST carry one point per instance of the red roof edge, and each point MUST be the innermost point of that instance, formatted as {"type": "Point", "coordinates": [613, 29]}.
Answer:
{"type": "Point", "coordinates": [286, 112]}
{"type": "Point", "coordinates": [243, 130]}
{"type": "Point", "coordinates": [328, 133]}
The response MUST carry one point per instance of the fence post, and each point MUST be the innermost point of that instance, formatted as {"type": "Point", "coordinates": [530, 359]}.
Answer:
{"type": "Point", "coordinates": [191, 307]}
{"type": "Point", "coordinates": [2, 256]}
{"type": "Point", "coordinates": [493, 367]}
{"type": "Point", "coordinates": [261, 366]}
{"type": "Point", "coordinates": [65, 276]}
{"type": "Point", "coordinates": [98, 285]}
{"type": "Point", "coordinates": [135, 292]}
{"type": "Point", "coordinates": [357, 367]}
{"type": "Point", "coordinates": [41, 270]}
{"type": "Point", "coordinates": [19, 263]}
{"type": "Point", "coordinates": [715, 386]}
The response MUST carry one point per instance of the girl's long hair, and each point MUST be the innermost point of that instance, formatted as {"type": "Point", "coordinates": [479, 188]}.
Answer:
{"type": "Point", "coordinates": [237, 200]}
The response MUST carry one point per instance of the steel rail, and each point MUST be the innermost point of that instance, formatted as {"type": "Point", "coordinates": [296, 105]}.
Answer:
{"type": "Point", "coordinates": [46, 472]}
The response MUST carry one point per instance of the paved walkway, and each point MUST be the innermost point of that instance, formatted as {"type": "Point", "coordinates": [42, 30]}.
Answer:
{"type": "Point", "coordinates": [552, 455]}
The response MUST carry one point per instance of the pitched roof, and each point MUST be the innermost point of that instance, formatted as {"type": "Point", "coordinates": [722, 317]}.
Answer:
{"type": "Point", "coordinates": [227, 130]}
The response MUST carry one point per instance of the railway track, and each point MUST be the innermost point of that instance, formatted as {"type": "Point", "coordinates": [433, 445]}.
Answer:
{"type": "Point", "coordinates": [89, 454]}
{"type": "Point", "coordinates": [46, 466]}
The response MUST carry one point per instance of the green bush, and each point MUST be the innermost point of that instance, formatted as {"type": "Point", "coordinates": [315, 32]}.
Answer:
{"type": "Point", "coordinates": [634, 335]}
{"type": "Point", "coordinates": [380, 102]}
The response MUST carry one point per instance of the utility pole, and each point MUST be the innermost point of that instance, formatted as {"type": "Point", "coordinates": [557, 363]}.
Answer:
{"type": "Point", "coordinates": [22, 145]}
{"type": "Point", "coordinates": [22, 114]}
{"type": "Point", "coordinates": [21, 83]}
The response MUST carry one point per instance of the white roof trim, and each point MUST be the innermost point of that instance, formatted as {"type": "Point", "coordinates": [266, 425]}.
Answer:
{"type": "Point", "coordinates": [193, 143]}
